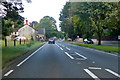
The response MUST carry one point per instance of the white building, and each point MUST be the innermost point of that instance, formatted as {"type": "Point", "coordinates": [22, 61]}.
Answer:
{"type": "Point", "coordinates": [27, 31]}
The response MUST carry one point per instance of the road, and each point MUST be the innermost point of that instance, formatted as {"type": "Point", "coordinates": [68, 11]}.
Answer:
{"type": "Point", "coordinates": [64, 60]}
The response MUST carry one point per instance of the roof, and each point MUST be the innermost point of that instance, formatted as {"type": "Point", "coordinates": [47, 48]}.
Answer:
{"type": "Point", "coordinates": [15, 29]}
{"type": "Point", "coordinates": [40, 30]}
{"type": "Point", "coordinates": [26, 27]}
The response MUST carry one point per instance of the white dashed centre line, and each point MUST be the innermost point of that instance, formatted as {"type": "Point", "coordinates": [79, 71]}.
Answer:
{"type": "Point", "coordinates": [69, 55]}
{"type": "Point", "coordinates": [112, 72]}
{"type": "Point", "coordinates": [8, 73]}
{"type": "Point", "coordinates": [57, 45]}
{"type": "Point", "coordinates": [80, 55]}
{"type": "Point", "coordinates": [91, 74]}
{"type": "Point", "coordinates": [94, 68]}
{"type": "Point", "coordinates": [67, 48]}
{"type": "Point", "coordinates": [61, 48]}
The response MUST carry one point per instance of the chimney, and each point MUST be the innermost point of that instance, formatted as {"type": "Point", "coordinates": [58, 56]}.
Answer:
{"type": "Point", "coordinates": [26, 22]}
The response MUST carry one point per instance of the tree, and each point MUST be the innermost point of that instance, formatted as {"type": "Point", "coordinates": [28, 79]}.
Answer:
{"type": "Point", "coordinates": [49, 24]}
{"type": "Point", "coordinates": [89, 18]}
{"type": "Point", "coordinates": [66, 21]}
{"type": "Point", "coordinates": [103, 16]}
{"type": "Point", "coordinates": [34, 23]}
{"type": "Point", "coordinates": [60, 34]}
{"type": "Point", "coordinates": [11, 16]}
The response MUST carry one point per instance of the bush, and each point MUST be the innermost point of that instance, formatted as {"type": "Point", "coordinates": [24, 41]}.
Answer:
{"type": "Point", "coordinates": [29, 44]}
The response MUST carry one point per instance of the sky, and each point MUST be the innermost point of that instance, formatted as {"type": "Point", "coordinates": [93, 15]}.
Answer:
{"type": "Point", "coordinates": [39, 8]}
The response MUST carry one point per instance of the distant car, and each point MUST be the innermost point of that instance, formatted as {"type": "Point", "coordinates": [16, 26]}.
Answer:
{"type": "Point", "coordinates": [18, 38]}
{"type": "Point", "coordinates": [51, 41]}
{"type": "Point", "coordinates": [88, 41]}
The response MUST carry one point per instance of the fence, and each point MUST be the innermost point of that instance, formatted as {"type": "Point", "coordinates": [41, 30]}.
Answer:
{"type": "Point", "coordinates": [13, 42]}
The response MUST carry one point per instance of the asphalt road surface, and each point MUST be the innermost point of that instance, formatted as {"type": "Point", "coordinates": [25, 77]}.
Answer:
{"type": "Point", "coordinates": [63, 60]}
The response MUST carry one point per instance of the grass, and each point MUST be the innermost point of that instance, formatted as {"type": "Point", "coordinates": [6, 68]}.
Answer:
{"type": "Point", "coordinates": [100, 47]}
{"type": "Point", "coordinates": [11, 52]}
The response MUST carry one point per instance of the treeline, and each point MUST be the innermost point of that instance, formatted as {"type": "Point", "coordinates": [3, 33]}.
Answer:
{"type": "Point", "coordinates": [88, 19]}
{"type": "Point", "coordinates": [49, 23]}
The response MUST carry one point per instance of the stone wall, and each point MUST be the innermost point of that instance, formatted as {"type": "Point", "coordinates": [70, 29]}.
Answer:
{"type": "Point", "coordinates": [27, 32]}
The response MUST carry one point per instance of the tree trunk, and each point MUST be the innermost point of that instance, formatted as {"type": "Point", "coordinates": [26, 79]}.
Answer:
{"type": "Point", "coordinates": [99, 39]}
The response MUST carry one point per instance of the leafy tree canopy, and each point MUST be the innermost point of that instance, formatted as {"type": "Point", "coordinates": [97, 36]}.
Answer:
{"type": "Point", "coordinates": [49, 23]}
{"type": "Point", "coordinates": [88, 18]}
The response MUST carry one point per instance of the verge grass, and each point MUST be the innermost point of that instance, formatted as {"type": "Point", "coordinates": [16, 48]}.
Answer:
{"type": "Point", "coordinates": [11, 52]}
{"type": "Point", "coordinates": [100, 47]}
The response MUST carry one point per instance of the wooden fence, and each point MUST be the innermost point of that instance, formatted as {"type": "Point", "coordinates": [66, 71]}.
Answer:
{"type": "Point", "coordinates": [14, 42]}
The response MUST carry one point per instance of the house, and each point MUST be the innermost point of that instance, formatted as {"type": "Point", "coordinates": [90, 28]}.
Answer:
{"type": "Point", "coordinates": [28, 32]}
{"type": "Point", "coordinates": [40, 33]}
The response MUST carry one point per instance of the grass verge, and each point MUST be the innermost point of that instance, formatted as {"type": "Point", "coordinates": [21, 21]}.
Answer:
{"type": "Point", "coordinates": [100, 47]}
{"type": "Point", "coordinates": [10, 53]}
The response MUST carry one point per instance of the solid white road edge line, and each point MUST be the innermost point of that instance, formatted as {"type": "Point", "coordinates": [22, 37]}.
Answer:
{"type": "Point", "coordinates": [67, 48]}
{"type": "Point", "coordinates": [8, 73]}
{"type": "Point", "coordinates": [80, 55]}
{"type": "Point", "coordinates": [94, 68]}
{"type": "Point", "coordinates": [69, 55]}
{"type": "Point", "coordinates": [112, 72]}
{"type": "Point", "coordinates": [29, 56]}
{"type": "Point", "coordinates": [91, 74]}
{"type": "Point", "coordinates": [61, 48]}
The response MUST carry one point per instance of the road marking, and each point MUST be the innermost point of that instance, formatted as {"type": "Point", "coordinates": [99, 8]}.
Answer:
{"type": "Point", "coordinates": [80, 55]}
{"type": "Point", "coordinates": [93, 62]}
{"type": "Point", "coordinates": [112, 72]}
{"type": "Point", "coordinates": [57, 45]}
{"type": "Point", "coordinates": [91, 74]}
{"type": "Point", "coordinates": [61, 48]}
{"type": "Point", "coordinates": [29, 56]}
{"type": "Point", "coordinates": [8, 73]}
{"type": "Point", "coordinates": [94, 68]}
{"type": "Point", "coordinates": [67, 48]}
{"type": "Point", "coordinates": [69, 55]}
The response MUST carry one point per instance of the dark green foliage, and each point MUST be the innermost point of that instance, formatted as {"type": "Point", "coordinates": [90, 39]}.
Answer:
{"type": "Point", "coordinates": [34, 23]}
{"type": "Point", "coordinates": [12, 17]}
{"type": "Point", "coordinates": [89, 18]}
{"type": "Point", "coordinates": [49, 23]}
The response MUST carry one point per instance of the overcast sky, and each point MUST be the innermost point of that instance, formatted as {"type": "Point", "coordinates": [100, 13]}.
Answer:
{"type": "Point", "coordinates": [39, 8]}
